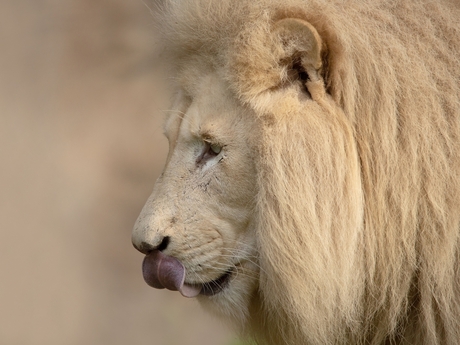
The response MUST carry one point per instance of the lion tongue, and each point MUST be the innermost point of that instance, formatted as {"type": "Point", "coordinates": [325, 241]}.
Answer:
{"type": "Point", "coordinates": [161, 271]}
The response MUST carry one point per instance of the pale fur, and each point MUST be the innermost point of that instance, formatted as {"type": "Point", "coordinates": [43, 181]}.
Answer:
{"type": "Point", "coordinates": [357, 205]}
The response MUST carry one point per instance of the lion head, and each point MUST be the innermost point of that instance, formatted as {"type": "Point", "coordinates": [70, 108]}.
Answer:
{"type": "Point", "coordinates": [202, 209]}
{"type": "Point", "coordinates": [311, 192]}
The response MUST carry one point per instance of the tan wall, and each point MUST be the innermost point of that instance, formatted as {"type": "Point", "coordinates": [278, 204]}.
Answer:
{"type": "Point", "coordinates": [80, 147]}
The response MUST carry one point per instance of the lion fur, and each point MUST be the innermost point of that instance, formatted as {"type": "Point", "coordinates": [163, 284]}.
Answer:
{"type": "Point", "coordinates": [358, 208]}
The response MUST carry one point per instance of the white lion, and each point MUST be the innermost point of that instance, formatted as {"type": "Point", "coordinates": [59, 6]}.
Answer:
{"type": "Point", "coordinates": [312, 188]}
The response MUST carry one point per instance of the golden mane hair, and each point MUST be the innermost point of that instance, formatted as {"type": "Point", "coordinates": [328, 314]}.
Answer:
{"type": "Point", "coordinates": [358, 206]}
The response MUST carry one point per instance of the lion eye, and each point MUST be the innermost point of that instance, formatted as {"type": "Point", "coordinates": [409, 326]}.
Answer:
{"type": "Point", "coordinates": [209, 151]}
{"type": "Point", "coordinates": [215, 148]}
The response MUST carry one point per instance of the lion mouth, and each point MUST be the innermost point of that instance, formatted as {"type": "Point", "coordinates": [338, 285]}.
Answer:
{"type": "Point", "coordinates": [215, 286]}
{"type": "Point", "coordinates": [162, 271]}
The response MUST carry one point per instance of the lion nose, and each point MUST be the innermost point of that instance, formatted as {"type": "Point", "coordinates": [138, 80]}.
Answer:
{"type": "Point", "coordinates": [147, 248]}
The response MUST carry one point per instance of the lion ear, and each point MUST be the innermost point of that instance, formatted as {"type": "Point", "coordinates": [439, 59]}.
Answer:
{"type": "Point", "coordinates": [301, 53]}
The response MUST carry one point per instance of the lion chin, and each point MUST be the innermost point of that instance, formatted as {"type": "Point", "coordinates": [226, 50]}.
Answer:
{"type": "Point", "coordinates": [312, 189]}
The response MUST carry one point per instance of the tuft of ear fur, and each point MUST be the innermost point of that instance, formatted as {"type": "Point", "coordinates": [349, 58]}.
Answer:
{"type": "Point", "coordinates": [290, 53]}
{"type": "Point", "coordinates": [302, 52]}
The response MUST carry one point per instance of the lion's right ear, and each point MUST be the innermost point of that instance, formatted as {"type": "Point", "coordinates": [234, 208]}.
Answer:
{"type": "Point", "coordinates": [301, 53]}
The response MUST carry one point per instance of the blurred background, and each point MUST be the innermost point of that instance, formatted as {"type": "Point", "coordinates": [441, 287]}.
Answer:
{"type": "Point", "coordinates": [81, 145]}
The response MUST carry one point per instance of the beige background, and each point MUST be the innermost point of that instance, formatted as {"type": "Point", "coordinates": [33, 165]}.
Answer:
{"type": "Point", "coordinates": [80, 147]}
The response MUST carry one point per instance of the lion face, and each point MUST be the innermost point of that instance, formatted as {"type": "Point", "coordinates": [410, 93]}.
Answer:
{"type": "Point", "coordinates": [196, 228]}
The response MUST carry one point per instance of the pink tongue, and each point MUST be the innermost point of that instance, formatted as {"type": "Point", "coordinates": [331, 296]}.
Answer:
{"type": "Point", "coordinates": [161, 271]}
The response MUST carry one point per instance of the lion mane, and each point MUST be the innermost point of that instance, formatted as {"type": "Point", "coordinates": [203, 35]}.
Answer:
{"type": "Point", "coordinates": [358, 196]}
